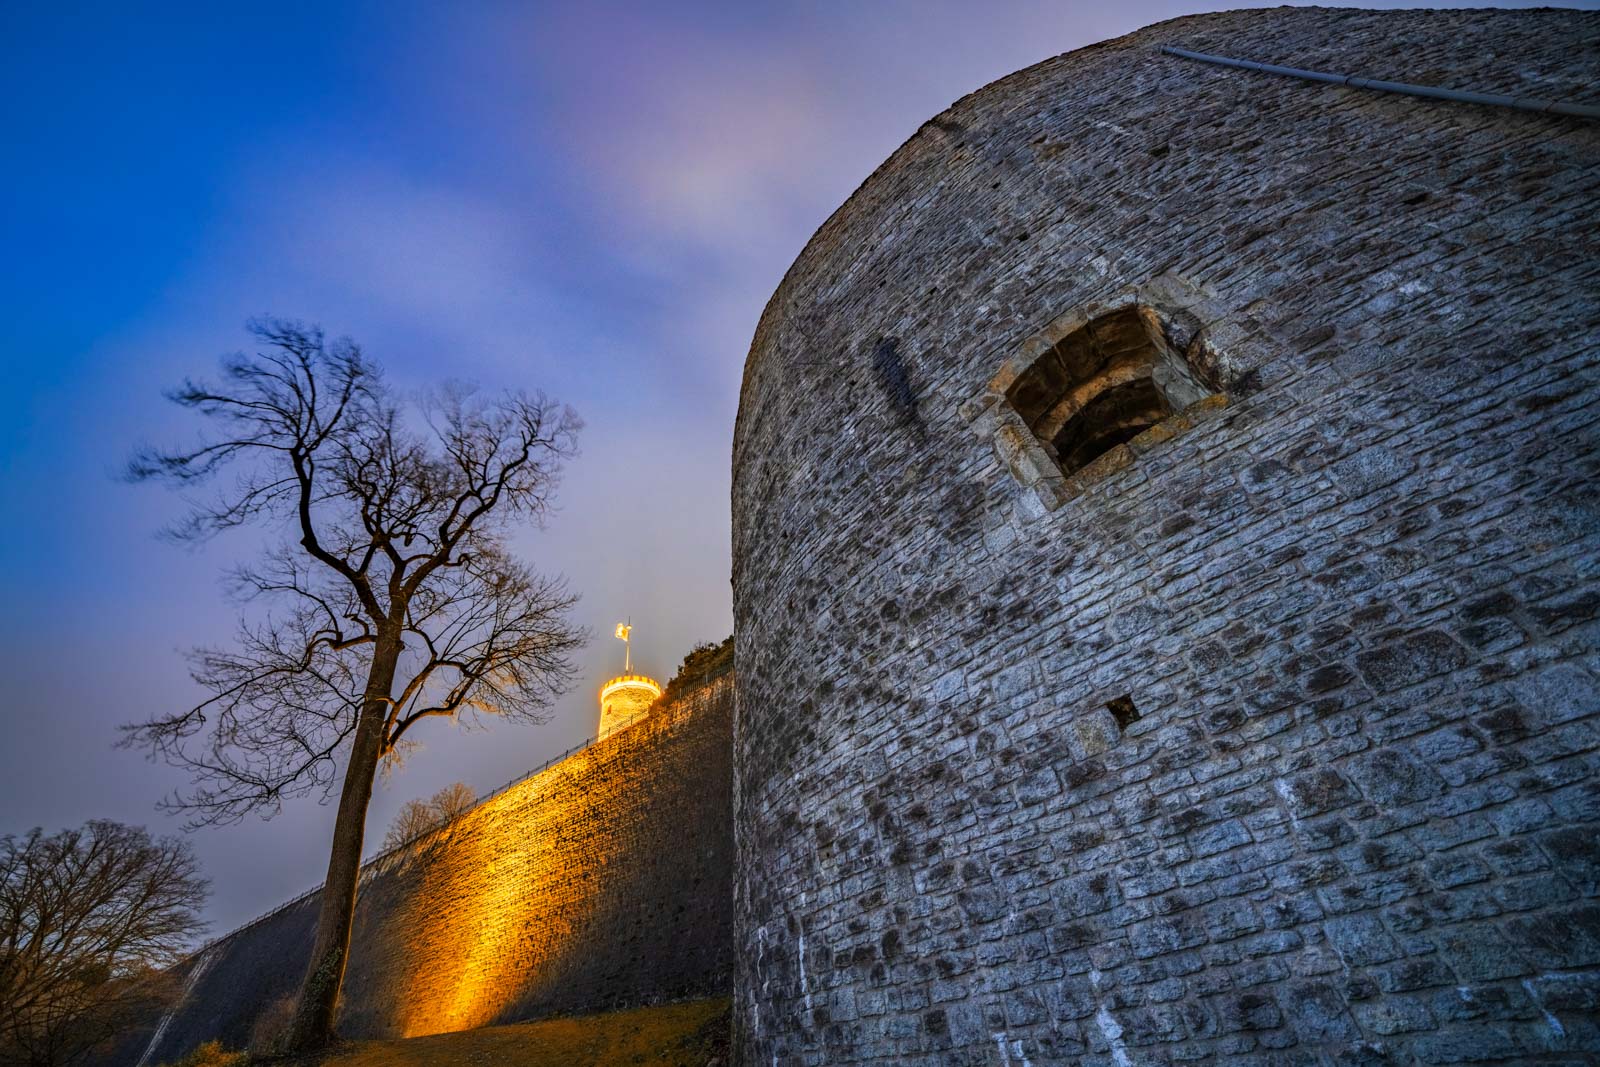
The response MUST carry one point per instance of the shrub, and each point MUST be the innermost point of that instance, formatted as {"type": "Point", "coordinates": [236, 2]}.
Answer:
{"type": "Point", "coordinates": [704, 662]}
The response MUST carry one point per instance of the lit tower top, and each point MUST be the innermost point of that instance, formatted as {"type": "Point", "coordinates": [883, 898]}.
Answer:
{"type": "Point", "coordinates": [626, 698]}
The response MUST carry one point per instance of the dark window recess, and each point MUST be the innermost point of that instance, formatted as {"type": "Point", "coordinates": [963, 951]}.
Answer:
{"type": "Point", "coordinates": [1122, 709]}
{"type": "Point", "coordinates": [1104, 384]}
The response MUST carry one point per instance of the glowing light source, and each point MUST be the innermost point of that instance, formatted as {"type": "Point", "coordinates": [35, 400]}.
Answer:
{"type": "Point", "coordinates": [630, 681]}
{"type": "Point", "coordinates": [623, 630]}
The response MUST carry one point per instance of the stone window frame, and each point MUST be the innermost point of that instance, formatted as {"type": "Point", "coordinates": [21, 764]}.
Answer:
{"type": "Point", "coordinates": [1193, 324]}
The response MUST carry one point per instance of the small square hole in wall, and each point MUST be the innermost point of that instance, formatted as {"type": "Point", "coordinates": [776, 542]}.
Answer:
{"type": "Point", "coordinates": [1103, 384]}
{"type": "Point", "coordinates": [1123, 710]}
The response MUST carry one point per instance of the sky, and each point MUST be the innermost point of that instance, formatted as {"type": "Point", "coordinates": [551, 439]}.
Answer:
{"type": "Point", "coordinates": [593, 199]}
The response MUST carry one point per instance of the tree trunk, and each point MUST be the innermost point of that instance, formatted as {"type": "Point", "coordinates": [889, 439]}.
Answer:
{"type": "Point", "coordinates": [319, 994]}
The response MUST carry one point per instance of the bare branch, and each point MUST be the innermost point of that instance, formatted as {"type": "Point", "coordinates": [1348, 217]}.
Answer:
{"type": "Point", "coordinates": [418, 817]}
{"type": "Point", "coordinates": [393, 520]}
{"type": "Point", "coordinates": [89, 918]}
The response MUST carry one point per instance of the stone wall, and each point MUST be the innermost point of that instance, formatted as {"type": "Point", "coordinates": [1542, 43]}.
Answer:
{"type": "Point", "coordinates": [1269, 738]}
{"type": "Point", "coordinates": [603, 881]}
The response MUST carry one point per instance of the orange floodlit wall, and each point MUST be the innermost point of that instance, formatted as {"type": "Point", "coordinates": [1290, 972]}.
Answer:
{"type": "Point", "coordinates": [603, 881]}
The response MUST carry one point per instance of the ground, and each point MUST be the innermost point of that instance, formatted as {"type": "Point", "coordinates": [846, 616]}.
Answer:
{"type": "Point", "coordinates": [692, 1034]}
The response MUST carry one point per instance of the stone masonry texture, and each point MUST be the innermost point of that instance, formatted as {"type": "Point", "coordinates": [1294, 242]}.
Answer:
{"type": "Point", "coordinates": [604, 881]}
{"type": "Point", "coordinates": [1349, 811]}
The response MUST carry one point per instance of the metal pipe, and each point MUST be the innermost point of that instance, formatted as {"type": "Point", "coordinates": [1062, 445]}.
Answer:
{"type": "Point", "coordinates": [1521, 103]}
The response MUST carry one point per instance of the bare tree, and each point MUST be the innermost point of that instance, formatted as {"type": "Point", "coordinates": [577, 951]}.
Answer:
{"type": "Point", "coordinates": [394, 598]}
{"type": "Point", "coordinates": [417, 817]}
{"type": "Point", "coordinates": [89, 920]}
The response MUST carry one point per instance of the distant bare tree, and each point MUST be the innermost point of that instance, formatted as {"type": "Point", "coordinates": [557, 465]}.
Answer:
{"type": "Point", "coordinates": [417, 817]}
{"type": "Point", "coordinates": [89, 920]}
{"type": "Point", "coordinates": [453, 800]}
{"type": "Point", "coordinates": [396, 600]}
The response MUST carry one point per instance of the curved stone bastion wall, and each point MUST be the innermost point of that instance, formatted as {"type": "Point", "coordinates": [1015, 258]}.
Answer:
{"type": "Point", "coordinates": [1165, 568]}
{"type": "Point", "coordinates": [603, 881]}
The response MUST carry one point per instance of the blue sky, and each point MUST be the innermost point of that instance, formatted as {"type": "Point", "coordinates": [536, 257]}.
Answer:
{"type": "Point", "coordinates": [592, 199]}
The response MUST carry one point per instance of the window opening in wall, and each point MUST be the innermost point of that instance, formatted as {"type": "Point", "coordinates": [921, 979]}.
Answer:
{"type": "Point", "coordinates": [1103, 384]}
{"type": "Point", "coordinates": [1123, 710]}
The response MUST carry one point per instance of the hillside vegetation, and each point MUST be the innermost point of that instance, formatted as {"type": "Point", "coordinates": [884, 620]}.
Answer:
{"type": "Point", "coordinates": [703, 663]}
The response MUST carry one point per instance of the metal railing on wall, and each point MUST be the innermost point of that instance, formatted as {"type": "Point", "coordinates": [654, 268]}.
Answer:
{"type": "Point", "coordinates": [682, 709]}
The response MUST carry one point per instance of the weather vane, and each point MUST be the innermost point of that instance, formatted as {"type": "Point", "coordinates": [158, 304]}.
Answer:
{"type": "Point", "coordinates": [623, 630]}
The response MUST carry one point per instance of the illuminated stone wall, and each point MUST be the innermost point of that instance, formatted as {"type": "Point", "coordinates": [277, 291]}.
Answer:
{"type": "Point", "coordinates": [1272, 738]}
{"type": "Point", "coordinates": [603, 881]}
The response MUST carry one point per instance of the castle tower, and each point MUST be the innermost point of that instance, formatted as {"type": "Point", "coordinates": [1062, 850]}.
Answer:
{"type": "Point", "coordinates": [1163, 567]}
{"type": "Point", "coordinates": [626, 698]}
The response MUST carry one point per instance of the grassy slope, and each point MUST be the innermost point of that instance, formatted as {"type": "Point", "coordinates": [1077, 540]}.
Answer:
{"type": "Point", "coordinates": [693, 1034]}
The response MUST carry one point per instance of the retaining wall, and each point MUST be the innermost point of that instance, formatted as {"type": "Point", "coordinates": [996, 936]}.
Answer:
{"type": "Point", "coordinates": [603, 881]}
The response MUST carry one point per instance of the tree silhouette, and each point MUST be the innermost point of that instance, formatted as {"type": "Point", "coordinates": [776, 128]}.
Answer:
{"type": "Point", "coordinates": [89, 920]}
{"type": "Point", "coordinates": [417, 817]}
{"type": "Point", "coordinates": [393, 598]}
